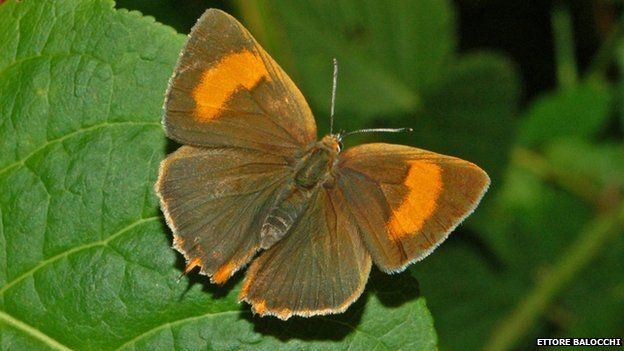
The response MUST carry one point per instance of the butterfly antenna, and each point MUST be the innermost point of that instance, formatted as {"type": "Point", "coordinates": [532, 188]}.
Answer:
{"type": "Point", "coordinates": [333, 96]}
{"type": "Point", "coordinates": [378, 130]}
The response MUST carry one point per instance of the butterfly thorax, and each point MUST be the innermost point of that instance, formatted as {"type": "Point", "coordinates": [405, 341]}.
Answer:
{"type": "Point", "coordinates": [313, 169]}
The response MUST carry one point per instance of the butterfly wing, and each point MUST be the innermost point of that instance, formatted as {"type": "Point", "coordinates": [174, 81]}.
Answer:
{"type": "Point", "coordinates": [215, 200]}
{"type": "Point", "coordinates": [245, 119]}
{"type": "Point", "coordinates": [227, 91]}
{"type": "Point", "coordinates": [320, 267]}
{"type": "Point", "coordinates": [405, 200]}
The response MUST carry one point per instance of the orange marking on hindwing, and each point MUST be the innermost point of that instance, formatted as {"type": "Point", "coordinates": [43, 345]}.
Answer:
{"type": "Point", "coordinates": [218, 83]}
{"type": "Point", "coordinates": [424, 184]}
{"type": "Point", "coordinates": [224, 272]}
{"type": "Point", "coordinates": [260, 307]}
{"type": "Point", "coordinates": [192, 264]}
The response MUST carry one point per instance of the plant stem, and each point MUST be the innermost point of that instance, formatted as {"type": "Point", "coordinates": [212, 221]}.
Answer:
{"type": "Point", "coordinates": [567, 74]}
{"type": "Point", "coordinates": [585, 248]}
{"type": "Point", "coordinates": [254, 15]}
{"type": "Point", "coordinates": [607, 52]}
{"type": "Point", "coordinates": [267, 29]}
{"type": "Point", "coordinates": [537, 164]}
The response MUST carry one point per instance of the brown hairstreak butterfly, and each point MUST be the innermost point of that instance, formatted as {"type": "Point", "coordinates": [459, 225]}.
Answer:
{"type": "Point", "coordinates": [251, 180]}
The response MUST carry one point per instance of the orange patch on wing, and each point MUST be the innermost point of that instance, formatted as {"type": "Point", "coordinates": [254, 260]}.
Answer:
{"type": "Point", "coordinates": [424, 183]}
{"type": "Point", "coordinates": [260, 307]}
{"type": "Point", "coordinates": [217, 84]}
{"type": "Point", "coordinates": [192, 264]}
{"type": "Point", "coordinates": [251, 275]}
{"type": "Point", "coordinates": [224, 272]}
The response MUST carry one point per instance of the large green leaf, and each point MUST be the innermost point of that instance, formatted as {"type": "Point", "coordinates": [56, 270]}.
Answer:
{"type": "Point", "coordinates": [580, 111]}
{"type": "Point", "coordinates": [85, 257]}
{"type": "Point", "coordinates": [470, 293]}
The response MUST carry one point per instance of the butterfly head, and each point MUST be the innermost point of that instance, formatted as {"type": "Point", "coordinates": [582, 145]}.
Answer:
{"type": "Point", "coordinates": [332, 142]}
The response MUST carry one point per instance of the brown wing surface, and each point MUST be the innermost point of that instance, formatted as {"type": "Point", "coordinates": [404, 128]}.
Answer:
{"type": "Point", "coordinates": [227, 91]}
{"type": "Point", "coordinates": [215, 200]}
{"type": "Point", "coordinates": [405, 200]}
{"type": "Point", "coordinates": [320, 267]}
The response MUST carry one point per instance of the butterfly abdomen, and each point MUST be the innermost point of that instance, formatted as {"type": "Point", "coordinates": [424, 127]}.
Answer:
{"type": "Point", "coordinates": [290, 205]}
{"type": "Point", "coordinates": [314, 169]}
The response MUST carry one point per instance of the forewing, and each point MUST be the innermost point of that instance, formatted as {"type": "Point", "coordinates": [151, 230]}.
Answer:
{"type": "Point", "coordinates": [405, 200]}
{"type": "Point", "coordinates": [214, 200]}
{"type": "Point", "coordinates": [227, 91]}
{"type": "Point", "coordinates": [320, 267]}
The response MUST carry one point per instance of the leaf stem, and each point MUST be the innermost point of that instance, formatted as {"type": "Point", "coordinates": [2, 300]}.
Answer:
{"type": "Point", "coordinates": [579, 254]}
{"type": "Point", "coordinates": [587, 246]}
{"type": "Point", "coordinates": [537, 164]}
{"type": "Point", "coordinates": [255, 15]}
{"type": "Point", "coordinates": [607, 52]}
{"type": "Point", "coordinates": [268, 30]}
{"type": "Point", "coordinates": [567, 73]}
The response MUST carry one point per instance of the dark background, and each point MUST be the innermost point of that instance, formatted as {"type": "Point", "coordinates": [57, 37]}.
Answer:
{"type": "Point", "coordinates": [520, 29]}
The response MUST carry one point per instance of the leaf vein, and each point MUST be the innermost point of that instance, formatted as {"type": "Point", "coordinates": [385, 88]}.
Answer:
{"type": "Point", "coordinates": [357, 330]}
{"type": "Point", "coordinates": [173, 324]}
{"type": "Point", "coordinates": [69, 135]}
{"type": "Point", "coordinates": [66, 253]}
{"type": "Point", "coordinates": [30, 330]}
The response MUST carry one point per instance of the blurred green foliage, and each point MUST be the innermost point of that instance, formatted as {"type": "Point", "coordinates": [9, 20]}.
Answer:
{"type": "Point", "coordinates": [543, 256]}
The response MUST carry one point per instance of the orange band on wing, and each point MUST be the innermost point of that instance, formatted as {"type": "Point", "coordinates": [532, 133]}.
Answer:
{"type": "Point", "coordinates": [225, 272]}
{"type": "Point", "coordinates": [192, 264]}
{"type": "Point", "coordinates": [217, 84]}
{"type": "Point", "coordinates": [260, 307]}
{"type": "Point", "coordinates": [424, 183]}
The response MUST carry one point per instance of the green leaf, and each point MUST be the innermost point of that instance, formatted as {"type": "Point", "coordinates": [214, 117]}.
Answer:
{"type": "Point", "coordinates": [371, 324]}
{"type": "Point", "coordinates": [469, 293]}
{"type": "Point", "coordinates": [580, 111]}
{"type": "Point", "coordinates": [601, 164]}
{"type": "Point", "coordinates": [397, 68]}
{"type": "Point", "coordinates": [85, 256]}
{"type": "Point", "coordinates": [469, 112]}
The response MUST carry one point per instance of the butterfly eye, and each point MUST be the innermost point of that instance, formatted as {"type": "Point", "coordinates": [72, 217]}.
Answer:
{"type": "Point", "coordinates": [340, 146]}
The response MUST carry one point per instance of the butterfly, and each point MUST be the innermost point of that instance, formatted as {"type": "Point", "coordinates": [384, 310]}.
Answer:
{"type": "Point", "coordinates": [251, 184]}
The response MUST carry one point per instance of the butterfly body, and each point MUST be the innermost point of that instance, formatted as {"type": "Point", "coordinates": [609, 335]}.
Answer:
{"type": "Point", "coordinates": [312, 170]}
{"type": "Point", "coordinates": [252, 185]}
{"type": "Point", "coordinates": [318, 164]}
